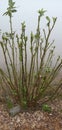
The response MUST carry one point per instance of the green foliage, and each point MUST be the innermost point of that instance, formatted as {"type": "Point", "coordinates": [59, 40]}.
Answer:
{"type": "Point", "coordinates": [46, 108]}
{"type": "Point", "coordinates": [9, 103]}
{"type": "Point", "coordinates": [41, 12]}
{"type": "Point", "coordinates": [28, 86]}
{"type": "Point", "coordinates": [11, 8]}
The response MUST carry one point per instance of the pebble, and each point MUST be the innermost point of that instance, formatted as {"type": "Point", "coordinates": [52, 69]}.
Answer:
{"type": "Point", "coordinates": [18, 120]}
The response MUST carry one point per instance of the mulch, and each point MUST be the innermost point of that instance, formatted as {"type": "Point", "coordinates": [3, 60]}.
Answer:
{"type": "Point", "coordinates": [33, 120]}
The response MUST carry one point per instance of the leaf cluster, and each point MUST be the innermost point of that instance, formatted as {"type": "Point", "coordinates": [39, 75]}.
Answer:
{"type": "Point", "coordinates": [11, 8]}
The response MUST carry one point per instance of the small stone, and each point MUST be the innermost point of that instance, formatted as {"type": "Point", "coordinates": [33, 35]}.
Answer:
{"type": "Point", "coordinates": [50, 114]}
{"type": "Point", "coordinates": [15, 110]}
{"type": "Point", "coordinates": [33, 125]}
{"type": "Point", "coordinates": [39, 118]}
{"type": "Point", "coordinates": [24, 121]}
{"type": "Point", "coordinates": [18, 120]}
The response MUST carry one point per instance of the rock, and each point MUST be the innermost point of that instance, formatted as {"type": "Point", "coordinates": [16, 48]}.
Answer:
{"type": "Point", "coordinates": [18, 120]}
{"type": "Point", "coordinates": [15, 110]}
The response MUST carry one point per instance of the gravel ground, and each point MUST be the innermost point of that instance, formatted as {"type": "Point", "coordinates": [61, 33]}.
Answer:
{"type": "Point", "coordinates": [33, 120]}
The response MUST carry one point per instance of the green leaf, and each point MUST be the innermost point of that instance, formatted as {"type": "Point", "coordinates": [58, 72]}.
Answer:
{"type": "Point", "coordinates": [14, 10]}
{"type": "Point", "coordinates": [11, 3]}
{"type": "Point", "coordinates": [54, 19]}
{"type": "Point", "coordinates": [48, 18]}
{"type": "Point", "coordinates": [41, 12]}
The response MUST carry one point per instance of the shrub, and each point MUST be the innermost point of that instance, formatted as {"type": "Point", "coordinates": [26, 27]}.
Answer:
{"type": "Point", "coordinates": [27, 87]}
